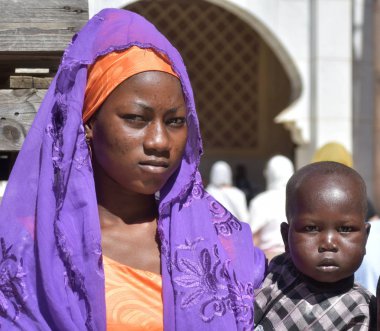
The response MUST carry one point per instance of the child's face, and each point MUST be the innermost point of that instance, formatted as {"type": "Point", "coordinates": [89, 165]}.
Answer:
{"type": "Point", "coordinates": [327, 234]}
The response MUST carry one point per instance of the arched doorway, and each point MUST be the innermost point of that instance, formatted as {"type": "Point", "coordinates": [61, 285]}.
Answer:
{"type": "Point", "coordinates": [239, 83]}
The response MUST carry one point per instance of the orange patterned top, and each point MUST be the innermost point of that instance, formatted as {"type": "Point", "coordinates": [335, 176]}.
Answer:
{"type": "Point", "coordinates": [133, 298]}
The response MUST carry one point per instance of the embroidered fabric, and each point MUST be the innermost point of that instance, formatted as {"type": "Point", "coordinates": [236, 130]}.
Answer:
{"type": "Point", "coordinates": [51, 265]}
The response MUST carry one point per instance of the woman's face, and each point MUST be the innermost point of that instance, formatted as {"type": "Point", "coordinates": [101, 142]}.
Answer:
{"type": "Point", "coordinates": [140, 132]}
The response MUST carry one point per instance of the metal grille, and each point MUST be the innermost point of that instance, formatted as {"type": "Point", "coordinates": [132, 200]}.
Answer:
{"type": "Point", "coordinates": [221, 53]}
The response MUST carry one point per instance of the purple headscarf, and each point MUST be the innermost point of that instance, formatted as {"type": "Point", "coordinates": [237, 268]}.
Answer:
{"type": "Point", "coordinates": [51, 274]}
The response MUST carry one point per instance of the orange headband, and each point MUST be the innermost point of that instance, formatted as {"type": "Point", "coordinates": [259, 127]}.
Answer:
{"type": "Point", "coordinates": [112, 69]}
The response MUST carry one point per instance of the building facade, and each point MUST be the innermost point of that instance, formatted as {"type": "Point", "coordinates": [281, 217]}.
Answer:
{"type": "Point", "coordinates": [274, 76]}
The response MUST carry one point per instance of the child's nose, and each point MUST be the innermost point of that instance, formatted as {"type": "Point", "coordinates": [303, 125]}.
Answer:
{"type": "Point", "coordinates": [328, 243]}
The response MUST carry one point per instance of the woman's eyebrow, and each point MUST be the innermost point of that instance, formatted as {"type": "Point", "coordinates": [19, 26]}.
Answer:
{"type": "Point", "coordinates": [151, 109]}
{"type": "Point", "coordinates": [144, 106]}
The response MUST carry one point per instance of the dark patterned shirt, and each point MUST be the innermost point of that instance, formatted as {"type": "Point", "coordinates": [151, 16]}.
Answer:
{"type": "Point", "coordinates": [288, 300]}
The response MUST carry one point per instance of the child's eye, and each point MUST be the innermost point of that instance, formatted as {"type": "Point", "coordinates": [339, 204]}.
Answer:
{"type": "Point", "coordinates": [176, 121]}
{"type": "Point", "coordinates": [345, 229]}
{"type": "Point", "coordinates": [311, 228]}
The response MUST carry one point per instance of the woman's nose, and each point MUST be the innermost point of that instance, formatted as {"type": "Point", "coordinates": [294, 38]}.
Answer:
{"type": "Point", "coordinates": [157, 138]}
{"type": "Point", "coordinates": [328, 242]}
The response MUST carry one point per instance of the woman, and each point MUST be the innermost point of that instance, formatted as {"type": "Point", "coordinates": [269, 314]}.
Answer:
{"type": "Point", "coordinates": [60, 209]}
{"type": "Point", "coordinates": [221, 188]}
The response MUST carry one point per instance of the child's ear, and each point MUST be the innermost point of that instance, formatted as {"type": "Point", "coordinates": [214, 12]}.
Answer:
{"type": "Point", "coordinates": [284, 234]}
{"type": "Point", "coordinates": [367, 230]}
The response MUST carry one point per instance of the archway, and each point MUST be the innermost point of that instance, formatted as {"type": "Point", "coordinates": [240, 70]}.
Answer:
{"type": "Point", "coordinates": [240, 84]}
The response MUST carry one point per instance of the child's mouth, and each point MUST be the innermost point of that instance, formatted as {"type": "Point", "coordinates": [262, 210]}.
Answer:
{"type": "Point", "coordinates": [328, 268]}
{"type": "Point", "coordinates": [327, 265]}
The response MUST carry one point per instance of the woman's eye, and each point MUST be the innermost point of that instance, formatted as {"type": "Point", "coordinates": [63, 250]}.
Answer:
{"type": "Point", "coordinates": [311, 228]}
{"type": "Point", "coordinates": [177, 121]}
{"type": "Point", "coordinates": [345, 229]}
{"type": "Point", "coordinates": [133, 118]}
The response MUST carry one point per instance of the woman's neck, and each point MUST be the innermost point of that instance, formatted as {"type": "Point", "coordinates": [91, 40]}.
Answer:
{"type": "Point", "coordinates": [116, 203]}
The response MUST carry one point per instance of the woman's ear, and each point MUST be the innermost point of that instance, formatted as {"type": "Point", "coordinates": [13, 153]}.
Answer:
{"type": "Point", "coordinates": [88, 130]}
{"type": "Point", "coordinates": [89, 134]}
{"type": "Point", "coordinates": [284, 234]}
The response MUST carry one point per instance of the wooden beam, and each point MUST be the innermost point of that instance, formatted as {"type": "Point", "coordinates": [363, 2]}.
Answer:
{"type": "Point", "coordinates": [29, 59]}
{"type": "Point", "coordinates": [25, 82]}
{"type": "Point", "coordinates": [47, 25]}
{"type": "Point", "coordinates": [17, 111]}
{"type": "Point", "coordinates": [9, 61]}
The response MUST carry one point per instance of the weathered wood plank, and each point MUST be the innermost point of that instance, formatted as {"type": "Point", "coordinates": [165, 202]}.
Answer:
{"type": "Point", "coordinates": [17, 111]}
{"type": "Point", "coordinates": [25, 82]}
{"type": "Point", "coordinates": [42, 83]}
{"type": "Point", "coordinates": [20, 82]}
{"type": "Point", "coordinates": [46, 25]}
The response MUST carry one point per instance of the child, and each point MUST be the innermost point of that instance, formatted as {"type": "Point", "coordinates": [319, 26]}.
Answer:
{"type": "Point", "coordinates": [311, 286]}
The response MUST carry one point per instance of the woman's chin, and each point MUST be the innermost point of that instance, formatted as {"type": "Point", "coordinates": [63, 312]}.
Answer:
{"type": "Point", "coordinates": [149, 188]}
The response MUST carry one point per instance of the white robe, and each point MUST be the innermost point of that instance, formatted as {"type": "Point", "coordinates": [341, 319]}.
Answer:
{"type": "Point", "coordinates": [267, 209]}
{"type": "Point", "coordinates": [220, 187]}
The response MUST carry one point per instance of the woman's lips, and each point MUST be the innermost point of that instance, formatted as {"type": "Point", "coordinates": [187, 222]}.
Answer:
{"type": "Point", "coordinates": [154, 166]}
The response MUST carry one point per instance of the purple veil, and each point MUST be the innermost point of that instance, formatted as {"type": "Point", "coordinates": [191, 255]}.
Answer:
{"type": "Point", "coordinates": [51, 274]}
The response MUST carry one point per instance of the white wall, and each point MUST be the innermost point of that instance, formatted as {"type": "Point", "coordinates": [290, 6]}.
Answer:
{"type": "Point", "coordinates": [363, 90]}
{"type": "Point", "coordinates": [318, 34]}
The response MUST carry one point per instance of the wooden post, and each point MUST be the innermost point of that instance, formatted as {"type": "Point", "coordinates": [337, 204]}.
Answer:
{"type": "Point", "coordinates": [17, 111]}
{"type": "Point", "coordinates": [34, 34]}
{"type": "Point", "coordinates": [40, 26]}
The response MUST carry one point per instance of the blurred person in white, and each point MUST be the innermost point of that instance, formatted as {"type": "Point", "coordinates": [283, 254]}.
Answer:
{"type": "Point", "coordinates": [3, 185]}
{"type": "Point", "coordinates": [368, 273]}
{"type": "Point", "coordinates": [222, 189]}
{"type": "Point", "coordinates": [267, 209]}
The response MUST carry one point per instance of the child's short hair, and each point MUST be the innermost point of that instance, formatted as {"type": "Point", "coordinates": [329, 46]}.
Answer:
{"type": "Point", "coordinates": [324, 168]}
